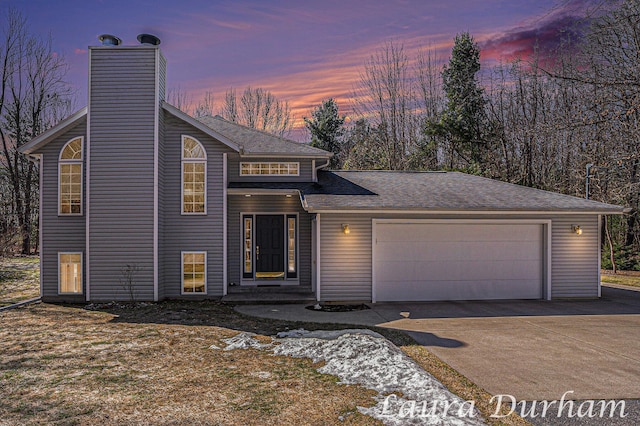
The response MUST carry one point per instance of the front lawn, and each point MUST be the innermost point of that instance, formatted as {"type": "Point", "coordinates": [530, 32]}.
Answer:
{"type": "Point", "coordinates": [19, 279]}
{"type": "Point", "coordinates": [151, 363]}
{"type": "Point", "coordinates": [630, 278]}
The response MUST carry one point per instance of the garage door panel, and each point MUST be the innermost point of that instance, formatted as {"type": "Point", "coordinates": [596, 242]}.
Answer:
{"type": "Point", "coordinates": [428, 261]}
{"type": "Point", "coordinates": [461, 290]}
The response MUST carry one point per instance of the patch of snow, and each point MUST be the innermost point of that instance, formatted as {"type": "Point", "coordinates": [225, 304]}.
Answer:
{"type": "Point", "coordinates": [214, 346]}
{"type": "Point", "coordinates": [326, 334]}
{"type": "Point", "coordinates": [366, 358]}
{"type": "Point", "coordinates": [244, 340]}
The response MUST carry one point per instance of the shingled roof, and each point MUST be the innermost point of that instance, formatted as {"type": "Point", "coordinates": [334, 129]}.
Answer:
{"type": "Point", "coordinates": [441, 191]}
{"type": "Point", "coordinates": [256, 142]}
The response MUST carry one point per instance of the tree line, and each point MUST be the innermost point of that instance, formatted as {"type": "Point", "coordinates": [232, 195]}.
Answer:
{"type": "Point", "coordinates": [536, 121]}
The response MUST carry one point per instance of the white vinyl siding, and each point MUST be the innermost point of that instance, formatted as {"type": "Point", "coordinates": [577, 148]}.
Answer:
{"type": "Point", "coordinates": [70, 273]}
{"type": "Point", "coordinates": [575, 271]}
{"type": "Point", "coordinates": [121, 169]}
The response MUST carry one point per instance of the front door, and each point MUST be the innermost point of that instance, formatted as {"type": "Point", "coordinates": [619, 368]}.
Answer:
{"type": "Point", "coordinates": [270, 248]}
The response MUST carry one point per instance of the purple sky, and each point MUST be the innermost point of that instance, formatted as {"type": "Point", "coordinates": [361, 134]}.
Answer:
{"type": "Point", "coordinates": [303, 51]}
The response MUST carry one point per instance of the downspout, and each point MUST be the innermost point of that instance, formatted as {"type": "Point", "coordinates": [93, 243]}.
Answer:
{"type": "Point", "coordinates": [37, 159]}
{"type": "Point", "coordinates": [321, 166]}
{"type": "Point", "coordinates": [303, 200]}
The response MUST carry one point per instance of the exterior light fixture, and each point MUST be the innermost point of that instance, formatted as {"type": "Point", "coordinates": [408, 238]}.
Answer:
{"type": "Point", "coordinates": [345, 228]}
{"type": "Point", "coordinates": [288, 195]}
{"type": "Point", "coordinates": [247, 195]}
{"type": "Point", "coordinates": [576, 229]}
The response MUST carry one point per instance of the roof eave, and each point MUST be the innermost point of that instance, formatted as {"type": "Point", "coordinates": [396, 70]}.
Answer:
{"type": "Point", "coordinates": [246, 154]}
{"type": "Point", "coordinates": [46, 137]}
{"type": "Point", "coordinates": [200, 126]}
{"type": "Point", "coordinates": [261, 191]}
{"type": "Point", "coordinates": [395, 210]}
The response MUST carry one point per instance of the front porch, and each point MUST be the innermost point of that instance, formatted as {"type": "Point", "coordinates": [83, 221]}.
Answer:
{"type": "Point", "coordinates": [270, 249]}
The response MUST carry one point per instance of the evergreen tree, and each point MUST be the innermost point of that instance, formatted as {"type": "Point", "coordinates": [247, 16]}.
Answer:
{"type": "Point", "coordinates": [327, 130]}
{"type": "Point", "coordinates": [463, 121]}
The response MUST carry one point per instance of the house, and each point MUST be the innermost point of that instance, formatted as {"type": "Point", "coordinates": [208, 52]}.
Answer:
{"type": "Point", "coordinates": [206, 208]}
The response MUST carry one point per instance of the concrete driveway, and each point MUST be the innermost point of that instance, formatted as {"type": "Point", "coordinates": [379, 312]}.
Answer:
{"type": "Point", "coordinates": [533, 350]}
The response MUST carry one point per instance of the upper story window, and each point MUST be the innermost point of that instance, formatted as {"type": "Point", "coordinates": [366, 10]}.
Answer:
{"type": "Point", "coordinates": [70, 178]}
{"type": "Point", "coordinates": [194, 176]}
{"type": "Point", "coordinates": [262, 168]}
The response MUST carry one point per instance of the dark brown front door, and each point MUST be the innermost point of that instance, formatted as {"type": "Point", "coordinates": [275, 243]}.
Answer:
{"type": "Point", "coordinates": [270, 247]}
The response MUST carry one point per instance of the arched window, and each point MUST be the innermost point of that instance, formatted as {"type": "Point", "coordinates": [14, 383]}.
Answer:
{"type": "Point", "coordinates": [70, 178]}
{"type": "Point", "coordinates": [194, 176]}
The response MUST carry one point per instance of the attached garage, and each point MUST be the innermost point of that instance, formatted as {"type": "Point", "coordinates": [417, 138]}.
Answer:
{"type": "Point", "coordinates": [425, 260]}
{"type": "Point", "coordinates": [426, 236]}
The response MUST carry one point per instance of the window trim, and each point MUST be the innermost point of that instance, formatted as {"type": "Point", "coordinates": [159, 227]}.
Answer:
{"type": "Point", "coordinates": [61, 162]}
{"type": "Point", "coordinates": [296, 241]}
{"type": "Point", "coordinates": [251, 274]}
{"type": "Point", "coordinates": [184, 161]}
{"type": "Point", "coordinates": [60, 253]}
{"type": "Point", "coordinates": [193, 293]}
{"type": "Point", "coordinates": [243, 163]}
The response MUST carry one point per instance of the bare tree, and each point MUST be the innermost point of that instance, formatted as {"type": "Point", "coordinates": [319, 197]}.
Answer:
{"type": "Point", "coordinates": [205, 106]}
{"type": "Point", "coordinates": [33, 98]}
{"type": "Point", "coordinates": [386, 95]}
{"type": "Point", "coordinates": [431, 102]}
{"type": "Point", "coordinates": [179, 98]}
{"type": "Point", "coordinates": [259, 109]}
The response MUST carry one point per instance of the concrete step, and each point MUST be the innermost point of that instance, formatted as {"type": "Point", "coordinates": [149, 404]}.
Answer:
{"type": "Point", "coordinates": [268, 289]}
{"type": "Point", "coordinates": [269, 298]}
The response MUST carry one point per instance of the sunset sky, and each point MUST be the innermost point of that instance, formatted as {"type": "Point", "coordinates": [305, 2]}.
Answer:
{"type": "Point", "coordinates": [303, 51]}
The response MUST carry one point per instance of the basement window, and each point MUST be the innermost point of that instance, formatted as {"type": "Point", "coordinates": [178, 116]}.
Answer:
{"type": "Point", "coordinates": [70, 273]}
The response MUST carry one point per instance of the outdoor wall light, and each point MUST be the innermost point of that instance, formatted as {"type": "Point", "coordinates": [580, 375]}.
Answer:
{"type": "Point", "coordinates": [345, 228]}
{"type": "Point", "coordinates": [576, 229]}
{"type": "Point", "coordinates": [247, 195]}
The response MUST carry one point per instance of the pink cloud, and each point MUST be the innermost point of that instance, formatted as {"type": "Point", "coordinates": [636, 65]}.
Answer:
{"type": "Point", "coordinates": [561, 28]}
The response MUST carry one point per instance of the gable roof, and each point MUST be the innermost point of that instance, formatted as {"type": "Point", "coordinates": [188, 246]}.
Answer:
{"type": "Point", "coordinates": [442, 192]}
{"type": "Point", "coordinates": [258, 143]}
{"type": "Point", "coordinates": [200, 126]}
{"type": "Point", "coordinates": [41, 140]}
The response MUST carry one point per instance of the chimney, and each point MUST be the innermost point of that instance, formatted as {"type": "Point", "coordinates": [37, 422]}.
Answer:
{"type": "Point", "coordinates": [109, 40]}
{"type": "Point", "coordinates": [148, 39]}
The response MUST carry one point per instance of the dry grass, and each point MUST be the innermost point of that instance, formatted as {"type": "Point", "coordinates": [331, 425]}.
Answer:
{"type": "Point", "coordinates": [630, 278]}
{"type": "Point", "coordinates": [66, 365]}
{"type": "Point", "coordinates": [151, 364]}
{"type": "Point", "coordinates": [19, 279]}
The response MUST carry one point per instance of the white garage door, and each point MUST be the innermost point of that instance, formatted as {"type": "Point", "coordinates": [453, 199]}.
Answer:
{"type": "Point", "coordinates": [457, 261]}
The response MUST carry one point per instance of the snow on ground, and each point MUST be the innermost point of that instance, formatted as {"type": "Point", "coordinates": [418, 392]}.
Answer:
{"type": "Point", "coordinates": [366, 358]}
